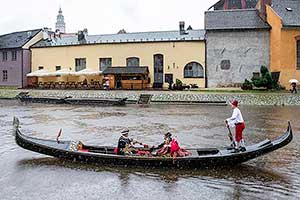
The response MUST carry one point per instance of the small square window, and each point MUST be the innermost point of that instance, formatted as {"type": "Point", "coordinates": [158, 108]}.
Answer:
{"type": "Point", "coordinates": [57, 68]}
{"type": "Point", "coordinates": [225, 64]}
{"type": "Point", "coordinates": [41, 67]}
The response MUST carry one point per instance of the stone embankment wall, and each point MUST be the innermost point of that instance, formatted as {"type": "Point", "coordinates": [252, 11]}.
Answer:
{"type": "Point", "coordinates": [168, 96]}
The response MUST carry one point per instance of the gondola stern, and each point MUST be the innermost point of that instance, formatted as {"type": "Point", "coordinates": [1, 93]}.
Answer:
{"type": "Point", "coordinates": [289, 128]}
{"type": "Point", "coordinates": [290, 131]}
{"type": "Point", "coordinates": [16, 124]}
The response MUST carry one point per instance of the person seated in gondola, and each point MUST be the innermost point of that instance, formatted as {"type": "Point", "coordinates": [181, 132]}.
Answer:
{"type": "Point", "coordinates": [80, 147]}
{"type": "Point", "coordinates": [165, 149]}
{"type": "Point", "coordinates": [176, 151]}
{"type": "Point", "coordinates": [126, 144]}
{"type": "Point", "coordinates": [171, 147]}
{"type": "Point", "coordinates": [167, 138]}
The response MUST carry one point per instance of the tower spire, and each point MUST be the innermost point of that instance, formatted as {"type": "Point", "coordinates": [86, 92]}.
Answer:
{"type": "Point", "coordinates": [60, 24]}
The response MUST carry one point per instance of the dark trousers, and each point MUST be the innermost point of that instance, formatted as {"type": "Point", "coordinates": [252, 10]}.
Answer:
{"type": "Point", "coordinates": [293, 90]}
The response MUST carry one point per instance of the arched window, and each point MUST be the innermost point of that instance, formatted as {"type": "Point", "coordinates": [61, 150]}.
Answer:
{"type": "Point", "coordinates": [133, 62]}
{"type": "Point", "coordinates": [193, 70]}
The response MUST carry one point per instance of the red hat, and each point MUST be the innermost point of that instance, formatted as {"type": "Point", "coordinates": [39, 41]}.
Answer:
{"type": "Point", "coordinates": [235, 103]}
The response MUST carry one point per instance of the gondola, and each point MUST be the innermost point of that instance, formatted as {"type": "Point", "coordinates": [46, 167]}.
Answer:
{"type": "Point", "coordinates": [103, 102]}
{"type": "Point", "coordinates": [200, 157]}
{"type": "Point", "coordinates": [25, 97]}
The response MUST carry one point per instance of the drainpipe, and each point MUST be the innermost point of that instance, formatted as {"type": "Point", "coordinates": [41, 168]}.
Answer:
{"type": "Point", "coordinates": [243, 2]}
{"type": "Point", "coordinates": [22, 66]}
{"type": "Point", "coordinates": [205, 57]}
{"type": "Point", "coordinates": [225, 6]}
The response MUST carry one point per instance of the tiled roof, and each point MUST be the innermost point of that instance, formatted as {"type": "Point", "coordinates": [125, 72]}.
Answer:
{"type": "Point", "coordinates": [161, 36]}
{"type": "Point", "coordinates": [126, 70]}
{"type": "Point", "coordinates": [17, 39]}
{"type": "Point", "coordinates": [234, 19]}
{"type": "Point", "coordinates": [289, 11]}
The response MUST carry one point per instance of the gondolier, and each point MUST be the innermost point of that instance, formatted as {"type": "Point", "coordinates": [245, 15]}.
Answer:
{"type": "Point", "coordinates": [237, 121]}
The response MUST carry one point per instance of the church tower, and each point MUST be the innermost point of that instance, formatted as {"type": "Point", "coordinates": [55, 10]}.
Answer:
{"type": "Point", "coordinates": [60, 23]}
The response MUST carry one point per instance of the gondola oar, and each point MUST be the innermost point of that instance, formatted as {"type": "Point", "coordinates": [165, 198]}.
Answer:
{"type": "Point", "coordinates": [58, 135]}
{"type": "Point", "coordinates": [233, 144]}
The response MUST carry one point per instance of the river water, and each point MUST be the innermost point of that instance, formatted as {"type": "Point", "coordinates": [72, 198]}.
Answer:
{"type": "Point", "coordinates": [29, 175]}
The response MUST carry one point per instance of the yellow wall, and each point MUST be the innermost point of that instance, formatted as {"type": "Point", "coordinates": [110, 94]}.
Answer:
{"type": "Point", "coordinates": [283, 49]}
{"type": "Point", "coordinates": [176, 54]}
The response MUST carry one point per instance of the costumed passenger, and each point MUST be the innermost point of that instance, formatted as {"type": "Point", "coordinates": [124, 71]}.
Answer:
{"type": "Point", "coordinates": [237, 121]}
{"type": "Point", "coordinates": [126, 144]}
{"type": "Point", "coordinates": [170, 147]}
{"type": "Point", "coordinates": [176, 151]}
{"type": "Point", "coordinates": [165, 147]}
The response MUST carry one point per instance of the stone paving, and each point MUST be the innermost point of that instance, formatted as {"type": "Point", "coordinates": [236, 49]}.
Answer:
{"type": "Point", "coordinates": [168, 96]}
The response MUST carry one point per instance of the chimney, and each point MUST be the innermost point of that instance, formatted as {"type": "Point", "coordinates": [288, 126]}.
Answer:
{"type": "Point", "coordinates": [81, 37]}
{"type": "Point", "coordinates": [45, 33]}
{"type": "Point", "coordinates": [85, 32]}
{"type": "Point", "coordinates": [57, 33]}
{"type": "Point", "coordinates": [181, 28]}
{"type": "Point", "coordinates": [261, 6]}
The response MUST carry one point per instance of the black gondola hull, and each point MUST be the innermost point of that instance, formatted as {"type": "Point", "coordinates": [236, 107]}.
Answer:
{"type": "Point", "coordinates": [202, 157]}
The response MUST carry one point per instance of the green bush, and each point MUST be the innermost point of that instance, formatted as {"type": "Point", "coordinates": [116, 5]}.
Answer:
{"type": "Point", "coordinates": [265, 79]}
{"type": "Point", "coordinates": [247, 85]}
{"type": "Point", "coordinates": [178, 82]}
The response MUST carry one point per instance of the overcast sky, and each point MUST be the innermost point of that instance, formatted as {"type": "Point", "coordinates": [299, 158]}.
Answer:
{"type": "Point", "coordinates": [103, 16]}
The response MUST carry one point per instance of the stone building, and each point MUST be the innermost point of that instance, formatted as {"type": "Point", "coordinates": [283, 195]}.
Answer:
{"type": "Point", "coordinates": [237, 44]}
{"type": "Point", "coordinates": [15, 56]}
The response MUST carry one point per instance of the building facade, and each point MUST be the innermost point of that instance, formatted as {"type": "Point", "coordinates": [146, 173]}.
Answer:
{"type": "Point", "coordinates": [237, 44]}
{"type": "Point", "coordinates": [284, 17]}
{"type": "Point", "coordinates": [15, 56]}
{"type": "Point", "coordinates": [168, 55]}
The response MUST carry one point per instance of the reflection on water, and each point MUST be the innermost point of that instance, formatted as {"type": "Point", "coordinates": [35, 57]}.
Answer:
{"type": "Point", "coordinates": [243, 172]}
{"type": "Point", "coordinates": [29, 175]}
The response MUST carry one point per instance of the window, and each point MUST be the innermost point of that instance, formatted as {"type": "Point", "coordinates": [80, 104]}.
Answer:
{"type": "Point", "coordinates": [193, 70]}
{"type": "Point", "coordinates": [4, 76]}
{"type": "Point", "coordinates": [4, 56]}
{"type": "Point", "coordinates": [14, 55]}
{"type": "Point", "coordinates": [298, 55]}
{"type": "Point", "coordinates": [57, 68]}
{"type": "Point", "coordinates": [104, 63]}
{"type": "Point", "coordinates": [235, 4]}
{"type": "Point", "coordinates": [225, 64]}
{"type": "Point", "coordinates": [80, 64]}
{"type": "Point", "coordinates": [169, 78]}
{"type": "Point", "coordinates": [41, 67]}
{"type": "Point", "coordinates": [132, 62]}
